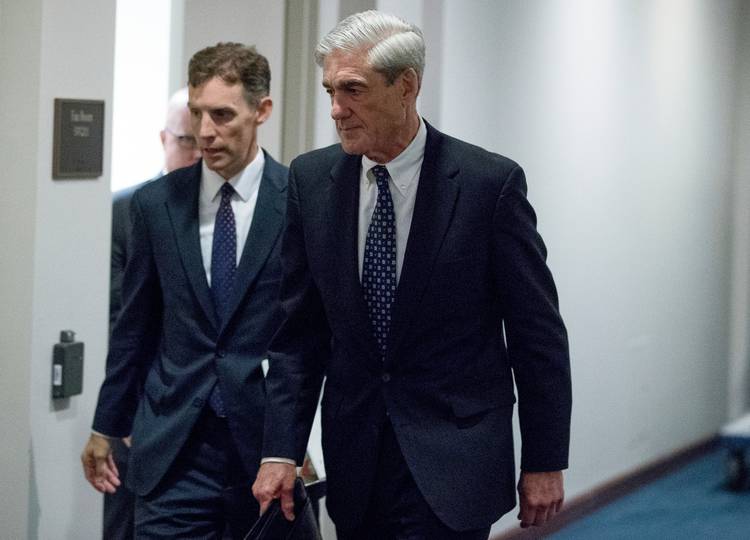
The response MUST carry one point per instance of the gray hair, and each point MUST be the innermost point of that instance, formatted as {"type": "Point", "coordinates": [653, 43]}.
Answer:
{"type": "Point", "coordinates": [394, 44]}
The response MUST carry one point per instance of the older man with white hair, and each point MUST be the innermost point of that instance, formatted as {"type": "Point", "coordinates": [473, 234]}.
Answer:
{"type": "Point", "coordinates": [416, 282]}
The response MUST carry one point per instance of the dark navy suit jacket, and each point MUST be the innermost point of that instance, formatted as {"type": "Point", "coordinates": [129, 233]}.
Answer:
{"type": "Point", "coordinates": [475, 307]}
{"type": "Point", "coordinates": [121, 227]}
{"type": "Point", "coordinates": [169, 332]}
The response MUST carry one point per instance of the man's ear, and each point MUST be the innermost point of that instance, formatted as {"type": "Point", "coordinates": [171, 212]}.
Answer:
{"type": "Point", "coordinates": [264, 108]}
{"type": "Point", "coordinates": [409, 85]}
{"type": "Point", "coordinates": [163, 137]}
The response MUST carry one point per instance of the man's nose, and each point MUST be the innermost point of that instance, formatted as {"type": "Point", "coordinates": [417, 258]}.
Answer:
{"type": "Point", "coordinates": [339, 109]}
{"type": "Point", "coordinates": [206, 127]}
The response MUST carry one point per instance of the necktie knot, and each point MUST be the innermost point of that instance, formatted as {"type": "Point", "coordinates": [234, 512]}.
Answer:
{"type": "Point", "coordinates": [226, 191]}
{"type": "Point", "coordinates": [381, 176]}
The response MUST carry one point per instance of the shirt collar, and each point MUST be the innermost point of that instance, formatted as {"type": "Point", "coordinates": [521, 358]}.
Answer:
{"type": "Point", "coordinates": [404, 168]}
{"type": "Point", "coordinates": [245, 183]}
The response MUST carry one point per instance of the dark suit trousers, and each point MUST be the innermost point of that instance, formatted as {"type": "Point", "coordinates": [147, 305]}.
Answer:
{"type": "Point", "coordinates": [118, 506]}
{"type": "Point", "coordinates": [205, 495]}
{"type": "Point", "coordinates": [397, 510]}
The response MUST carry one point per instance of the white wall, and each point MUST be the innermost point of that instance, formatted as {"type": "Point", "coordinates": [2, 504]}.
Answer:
{"type": "Point", "coordinates": [253, 22]}
{"type": "Point", "coordinates": [141, 89]}
{"type": "Point", "coordinates": [58, 235]}
{"type": "Point", "coordinates": [621, 114]}
{"type": "Point", "coordinates": [324, 129]}
{"type": "Point", "coordinates": [71, 278]}
{"type": "Point", "coordinates": [20, 28]}
{"type": "Point", "coordinates": [739, 357]}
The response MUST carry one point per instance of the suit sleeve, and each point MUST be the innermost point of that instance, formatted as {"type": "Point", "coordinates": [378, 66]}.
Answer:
{"type": "Point", "coordinates": [299, 348]}
{"type": "Point", "coordinates": [135, 336]}
{"type": "Point", "coordinates": [118, 256]}
{"type": "Point", "coordinates": [535, 334]}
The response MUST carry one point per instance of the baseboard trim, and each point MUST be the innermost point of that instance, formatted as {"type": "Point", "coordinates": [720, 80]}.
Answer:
{"type": "Point", "coordinates": [592, 500]}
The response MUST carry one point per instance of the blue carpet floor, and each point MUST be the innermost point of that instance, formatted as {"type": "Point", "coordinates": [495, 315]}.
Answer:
{"type": "Point", "coordinates": [689, 503]}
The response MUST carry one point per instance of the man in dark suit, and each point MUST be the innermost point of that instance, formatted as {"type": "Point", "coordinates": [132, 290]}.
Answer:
{"type": "Point", "coordinates": [415, 281]}
{"type": "Point", "coordinates": [199, 306]}
{"type": "Point", "coordinates": [180, 150]}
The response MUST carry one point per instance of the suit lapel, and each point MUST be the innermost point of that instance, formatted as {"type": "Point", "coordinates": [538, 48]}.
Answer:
{"type": "Point", "coordinates": [265, 228]}
{"type": "Point", "coordinates": [343, 212]}
{"type": "Point", "coordinates": [182, 208]}
{"type": "Point", "coordinates": [433, 210]}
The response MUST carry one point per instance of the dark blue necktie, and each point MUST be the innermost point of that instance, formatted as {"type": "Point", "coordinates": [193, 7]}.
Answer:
{"type": "Point", "coordinates": [379, 265]}
{"type": "Point", "coordinates": [223, 267]}
{"type": "Point", "coordinates": [224, 251]}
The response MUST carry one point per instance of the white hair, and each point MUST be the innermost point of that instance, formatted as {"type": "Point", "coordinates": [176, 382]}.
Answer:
{"type": "Point", "coordinates": [176, 104]}
{"type": "Point", "coordinates": [393, 44]}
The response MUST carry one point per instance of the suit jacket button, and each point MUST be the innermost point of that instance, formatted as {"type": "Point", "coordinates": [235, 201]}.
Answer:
{"type": "Point", "coordinates": [220, 353]}
{"type": "Point", "coordinates": [198, 402]}
{"type": "Point", "coordinates": [386, 377]}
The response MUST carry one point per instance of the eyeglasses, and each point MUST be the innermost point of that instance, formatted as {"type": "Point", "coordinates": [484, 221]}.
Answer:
{"type": "Point", "coordinates": [186, 142]}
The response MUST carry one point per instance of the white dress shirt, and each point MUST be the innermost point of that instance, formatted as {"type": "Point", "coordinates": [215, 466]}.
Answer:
{"type": "Point", "coordinates": [246, 185]}
{"type": "Point", "coordinates": [404, 171]}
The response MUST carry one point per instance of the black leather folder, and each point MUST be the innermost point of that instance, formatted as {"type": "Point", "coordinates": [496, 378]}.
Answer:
{"type": "Point", "coordinates": [272, 525]}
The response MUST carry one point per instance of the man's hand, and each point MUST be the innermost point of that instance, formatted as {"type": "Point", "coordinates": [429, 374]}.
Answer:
{"type": "Point", "coordinates": [276, 481]}
{"type": "Point", "coordinates": [541, 497]}
{"type": "Point", "coordinates": [99, 466]}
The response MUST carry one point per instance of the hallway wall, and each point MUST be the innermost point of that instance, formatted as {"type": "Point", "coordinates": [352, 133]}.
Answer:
{"type": "Point", "coordinates": [55, 273]}
{"type": "Point", "coordinates": [18, 23]}
{"type": "Point", "coordinates": [739, 331]}
{"type": "Point", "coordinates": [622, 114]}
{"type": "Point", "coordinates": [71, 277]}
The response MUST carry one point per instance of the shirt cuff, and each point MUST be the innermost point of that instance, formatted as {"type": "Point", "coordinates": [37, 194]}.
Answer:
{"type": "Point", "coordinates": [278, 460]}
{"type": "Point", "coordinates": [105, 436]}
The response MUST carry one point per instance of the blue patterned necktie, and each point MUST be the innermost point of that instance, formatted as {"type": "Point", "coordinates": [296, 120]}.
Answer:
{"type": "Point", "coordinates": [224, 251]}
{"type": "Point", "coordinates": [379, 265]}
{"type": "Point", "coordinates": [223, 267]}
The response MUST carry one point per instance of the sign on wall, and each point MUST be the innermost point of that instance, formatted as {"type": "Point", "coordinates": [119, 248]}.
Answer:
{"type": "Point", "coordinates": [78, 146]}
